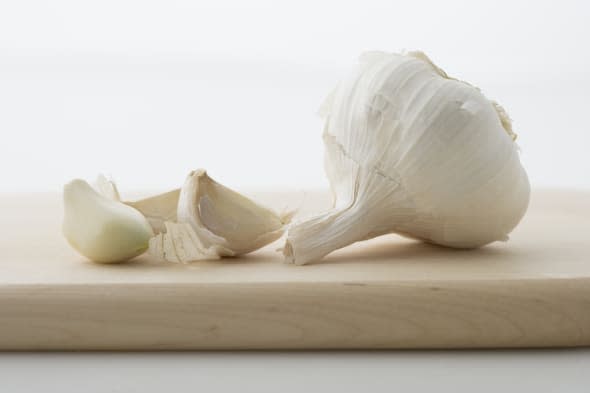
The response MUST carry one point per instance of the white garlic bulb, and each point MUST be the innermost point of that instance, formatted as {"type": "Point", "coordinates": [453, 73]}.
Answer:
{"type": "Point", "coordinates": [409, 150]}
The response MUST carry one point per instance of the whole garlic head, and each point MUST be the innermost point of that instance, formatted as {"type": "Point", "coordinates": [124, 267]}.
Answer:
{"type": "Point", "coordinates": [409, 150]}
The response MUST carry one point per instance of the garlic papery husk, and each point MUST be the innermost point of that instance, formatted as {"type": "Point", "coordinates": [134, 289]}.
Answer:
{"type": "Point", "coordinates": [100, 228]}
{"type": "Point", "coordinates": [214, 221]}
{"type": "Point", "coordinates": [158, 209]}
{"type": "Point", "coordinates": [409, 150]}
{"type": "Point", "coordinates": [107, 187]}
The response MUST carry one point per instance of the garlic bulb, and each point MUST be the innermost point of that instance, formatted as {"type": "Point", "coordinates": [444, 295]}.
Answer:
{"type": "Point", "coordinates": [214, 221]}
{"type": "Point", "coordinates": [102, 228]}
{"type": "Point", "coordinates": [409, 150]}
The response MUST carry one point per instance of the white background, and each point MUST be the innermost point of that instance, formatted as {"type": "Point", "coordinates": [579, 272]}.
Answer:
{"type": "Point", "coordinates": [148, 90]}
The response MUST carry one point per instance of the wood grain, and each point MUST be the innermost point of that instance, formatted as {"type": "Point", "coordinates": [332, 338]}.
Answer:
{"type": "Point", "coordinates": [533, 291]}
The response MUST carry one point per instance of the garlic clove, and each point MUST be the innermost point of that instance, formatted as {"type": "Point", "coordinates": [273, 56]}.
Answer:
{"type": "Point", "coordinates": [215, 221]}
{"type": "Point", "coordinates": [102, 229]}
{"type": "Point", "coordinates": [221, 216]}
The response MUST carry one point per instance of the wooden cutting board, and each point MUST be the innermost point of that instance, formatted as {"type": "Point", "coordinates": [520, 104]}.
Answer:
{"type": "Point", "coordinates": [533, 291]}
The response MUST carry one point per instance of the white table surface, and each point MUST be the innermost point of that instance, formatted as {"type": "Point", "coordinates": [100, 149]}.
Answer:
{"type": "Point", "coordinates": [561, 370]}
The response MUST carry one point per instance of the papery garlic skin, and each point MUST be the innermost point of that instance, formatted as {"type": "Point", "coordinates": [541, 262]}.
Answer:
{"type": "Point", "coordinates": [107, 187]}
{"type": "Point", "coordinates": [102, 229]}
{"type": "Point", "coordinates": [158, 209]}
{"type": "Point", "coordinates": [409, 150]}
{"type": "Point", "coordinates": [213, 221]}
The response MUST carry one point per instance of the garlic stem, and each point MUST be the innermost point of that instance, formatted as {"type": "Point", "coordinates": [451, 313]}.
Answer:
{"type": "Point", "coordinates": [324, 233]}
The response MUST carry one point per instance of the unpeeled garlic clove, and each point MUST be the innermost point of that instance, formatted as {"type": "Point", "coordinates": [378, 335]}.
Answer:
{"type": "Point", "coordinates": [215, 221]}
{"type": "Point", "coordinates": [100, 228]}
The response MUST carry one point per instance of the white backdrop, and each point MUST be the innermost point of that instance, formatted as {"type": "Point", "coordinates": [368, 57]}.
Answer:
{"type": "Point", "coordinates": [147, 90]}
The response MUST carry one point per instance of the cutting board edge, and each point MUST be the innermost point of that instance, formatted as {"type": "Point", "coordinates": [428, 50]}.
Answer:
{"type": "Point", "coordinates": [308, 315]}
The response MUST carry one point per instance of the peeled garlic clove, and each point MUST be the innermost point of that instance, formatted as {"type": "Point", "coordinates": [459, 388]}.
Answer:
{"type": "Point", "coordinates": [409, 150]}
{"type": "Point", "coordinates": [215, 221]}
{"type": "Point", "coordinates": [102, 229]}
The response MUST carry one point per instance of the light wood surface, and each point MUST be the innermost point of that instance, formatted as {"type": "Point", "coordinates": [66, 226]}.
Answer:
{"type": "Point", "coordinates": [533, 291]}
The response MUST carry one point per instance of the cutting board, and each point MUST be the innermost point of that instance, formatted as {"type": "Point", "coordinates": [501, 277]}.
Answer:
{"type": "Point", "coordinates": [389, 292]}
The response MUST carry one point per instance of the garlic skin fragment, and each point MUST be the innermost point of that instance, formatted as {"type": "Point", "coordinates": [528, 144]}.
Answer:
{"type": "Point", "coordinates": [409, 150]}
{"type": "Point", "coordinates": [158, 209]}
{"type": "Point", "coordinates": [214, 221]}
{"type": "Point", "coordinates": [102, 229]}
{"type": "Point", "coordinates": [107, 187]}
